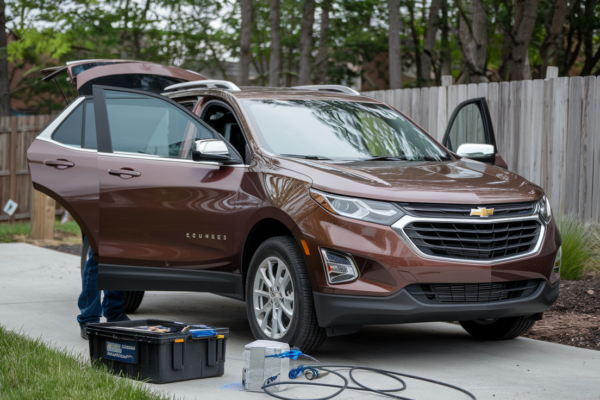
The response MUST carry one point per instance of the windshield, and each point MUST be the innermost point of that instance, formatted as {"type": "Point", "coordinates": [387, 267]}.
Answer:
{"type": "Point", "coordinates": [339, 130]}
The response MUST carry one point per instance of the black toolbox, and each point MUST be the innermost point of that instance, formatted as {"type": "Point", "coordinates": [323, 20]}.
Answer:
{"type": "Point", "coordinates": [161, 357]}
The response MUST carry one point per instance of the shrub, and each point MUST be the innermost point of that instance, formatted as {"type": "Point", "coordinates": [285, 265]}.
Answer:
{"type": "Point", "coordinates": [580, 247]}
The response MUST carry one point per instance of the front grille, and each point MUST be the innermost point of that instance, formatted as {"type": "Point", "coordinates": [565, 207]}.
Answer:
{"type": "Point", "coordinates": [457, 293]}
{"type": "Point", "coordinates": [462, 211]}
{"type": "Point", "coordinates": [474, 241]}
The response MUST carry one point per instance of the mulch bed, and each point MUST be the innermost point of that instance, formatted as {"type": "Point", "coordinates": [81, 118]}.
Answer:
{"type": "Point", "coordinates": [66, 248]}
{"type": "Point", "coordinates": [574, 319]}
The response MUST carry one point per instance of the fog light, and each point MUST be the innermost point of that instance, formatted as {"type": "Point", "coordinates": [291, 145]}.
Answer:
{"type": "Point", "coordinates": [339, 267]}
{"type": "Point", "coordinates": [557, 264]}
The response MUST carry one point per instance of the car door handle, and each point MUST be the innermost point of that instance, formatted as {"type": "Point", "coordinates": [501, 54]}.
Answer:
{"type": "Point", "coordinates": [59, 164]}
{"type": "Point", "coordinates": [124, 173]}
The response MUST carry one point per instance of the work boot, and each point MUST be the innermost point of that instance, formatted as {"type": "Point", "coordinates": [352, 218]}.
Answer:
{"type": "Point", "coordinates": [83, 332]}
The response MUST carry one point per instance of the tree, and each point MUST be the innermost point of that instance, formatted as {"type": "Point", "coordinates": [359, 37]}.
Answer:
{"type": "Point", "coordinates": [308, 19]}
{"type": "Point", "coordinates": [554, 27]}
{"type": "Point", "coordinates": [275, 61]}
{"type": "Point", "coordinates": [525, 16]}
{"type": "Point", "coordinates": [323, 51]}
{"type": "Point", "coordinates": [245, 33]}
{"type": "Point", "coordinates": [4, 79]}
{"type": "Point", "coordinates": [429, 42]}
{"type": "Point", "coordinates": [395, 59]}
{"type": "Point", "coordinates": [473, 41]}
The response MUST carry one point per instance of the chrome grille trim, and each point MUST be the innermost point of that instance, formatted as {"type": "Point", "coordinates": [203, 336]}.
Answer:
{"type": "Point", "coordinates": [399, 225]}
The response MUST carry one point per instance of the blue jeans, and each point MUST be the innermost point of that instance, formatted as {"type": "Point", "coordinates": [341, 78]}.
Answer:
{"type": "Point", "coordinates": [89, 301]}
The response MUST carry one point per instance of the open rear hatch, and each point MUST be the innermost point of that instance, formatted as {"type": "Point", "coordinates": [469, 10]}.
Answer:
{"type": "Point", "coordinates": [77, 77]}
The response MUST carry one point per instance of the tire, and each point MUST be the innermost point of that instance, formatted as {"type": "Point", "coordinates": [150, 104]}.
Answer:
{"type": "Point", "coordinates": [132, 299]}
{"type": "Point", "coordinates": [292, 304]}
{"type": "Point", "coordinates": [500, 329]}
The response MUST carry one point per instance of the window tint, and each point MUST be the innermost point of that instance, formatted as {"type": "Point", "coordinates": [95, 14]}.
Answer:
{"type": "Point", "coordinates": [146, 125]}
{"type": "Point", "coordinates": [467, 127]}
{"type": "Point", "coordinates": [89, 140]}
{"type": "Point", "coordinates": [150, 83]}
{"type": "Point", "coordinates": [69, 132]}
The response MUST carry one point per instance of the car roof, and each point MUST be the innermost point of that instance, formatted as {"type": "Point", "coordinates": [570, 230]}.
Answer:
{"type": "Point", "coordinates": [266, 93]}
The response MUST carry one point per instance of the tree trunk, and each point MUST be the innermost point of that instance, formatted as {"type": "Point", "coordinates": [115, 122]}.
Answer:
{"type": "Point", "coordinates": [323, 52]}
{"type": "Point", "coordinates": [416, 41]}
{"type": "Point", "coordinates": [553, 32]}
{"type": "Point", "coordinates": [446, 61]}
{"type": "Point", "coordinates": [429, 42]}
{"type": "Point", "coordinates": [473, 39]}
{"type": "Point", "coordinates": [4, 79]}
{"type": "Point", "coordinates": [591, 58]}
{"type": "Point", "coordinates": [306, 33]}
{"type": "Point", "coordinates": [395, 60]}
{"type": "Point", "coordinates": [245, 34]}
{"type": "Point", "coordinates": [275, 61]}
{"type": "Point", "coordinates": [525, 15]}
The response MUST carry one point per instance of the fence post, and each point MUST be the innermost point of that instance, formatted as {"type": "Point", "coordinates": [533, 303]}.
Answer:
{"type": "Point", "coordinates": [42, 216]}
{"type": "Point", "coordinates": [447, 80]}
{"type": "Point", "coordinates": [12, 153]}
{"type": "Point", "coordinates": [551, 72]}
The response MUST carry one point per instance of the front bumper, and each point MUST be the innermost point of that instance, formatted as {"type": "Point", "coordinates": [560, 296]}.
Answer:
{"type": "Point", "coordinates": [401, 307]}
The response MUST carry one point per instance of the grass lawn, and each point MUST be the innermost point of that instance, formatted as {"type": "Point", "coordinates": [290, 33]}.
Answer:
{"type": "Point", "coordinates": [29, 369]}
{"type": "Point", "coordinates": [9, 231]}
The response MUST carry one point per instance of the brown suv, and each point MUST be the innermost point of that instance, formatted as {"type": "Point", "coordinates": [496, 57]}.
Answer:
{"type": "Point", "coordinates": [323, 209]}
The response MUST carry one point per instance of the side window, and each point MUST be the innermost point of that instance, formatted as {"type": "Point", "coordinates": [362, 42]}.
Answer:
{"type": "Point", "coordinates": [69, 132]}
{"type": "Point", "coordinates": [467, 127]}
{"type": "Point", "coordinates": [147, 125]}
{"type": "Point", "coordinates": [223, 121]}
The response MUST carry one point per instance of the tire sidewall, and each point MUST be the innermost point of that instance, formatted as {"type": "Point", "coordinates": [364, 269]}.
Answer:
{"type": "Point", "coordinates": [273, 248]}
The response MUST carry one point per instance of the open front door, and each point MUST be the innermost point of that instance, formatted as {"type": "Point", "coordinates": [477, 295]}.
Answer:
{"type": "Point", "coordinates": [470, 133]}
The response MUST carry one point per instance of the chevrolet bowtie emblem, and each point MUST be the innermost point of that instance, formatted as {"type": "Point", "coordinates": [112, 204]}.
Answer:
{"type": "Point", "coordinates": [482, 212]}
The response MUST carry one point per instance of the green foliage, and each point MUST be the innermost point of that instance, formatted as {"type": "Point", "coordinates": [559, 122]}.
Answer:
{"type": "Point", "coordinates": [580, 247]}
{"type": "Point", "coordinates": [8, 231]}
{"type": "Point", "coordinates": [30, 369]}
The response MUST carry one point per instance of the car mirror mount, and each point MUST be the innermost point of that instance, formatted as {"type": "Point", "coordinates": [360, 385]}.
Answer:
{"type": "Point", "coordinates": [212, 150]}
{"type": "Point", "coordinates": [475, 150]}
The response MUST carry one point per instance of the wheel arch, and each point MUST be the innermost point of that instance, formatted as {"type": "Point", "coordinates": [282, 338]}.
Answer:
{"type": "Point", "coordinates": [267, 225]}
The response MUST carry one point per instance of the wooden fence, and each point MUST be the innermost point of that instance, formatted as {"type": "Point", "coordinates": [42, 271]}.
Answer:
{"type": "Point", "coordinates": [548, 131]}
{"type": "Point", "coordinates": [16, 135]}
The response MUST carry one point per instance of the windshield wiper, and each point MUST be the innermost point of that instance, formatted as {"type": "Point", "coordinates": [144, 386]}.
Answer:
{"type": "Point", "coordinates": [306, 157]}
{"type": "Point", "coordinates": [386, 158]}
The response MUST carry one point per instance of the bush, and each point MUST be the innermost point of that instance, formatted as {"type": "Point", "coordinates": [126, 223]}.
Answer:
{"type": "Point", "coordinates": [580, 247]}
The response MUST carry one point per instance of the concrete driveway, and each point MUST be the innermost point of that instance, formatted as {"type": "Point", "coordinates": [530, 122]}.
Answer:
{"type": "Point", "coordinates": [38, 296]}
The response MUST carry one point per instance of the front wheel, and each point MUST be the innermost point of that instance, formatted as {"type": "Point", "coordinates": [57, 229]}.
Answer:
{"type": "Point", "coordinates": [279, 299]}
{"type": "Point", "coordinates": [498, 329]}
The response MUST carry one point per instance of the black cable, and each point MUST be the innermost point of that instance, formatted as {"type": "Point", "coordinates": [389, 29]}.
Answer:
{"type": "Point", "coordinates": [352, 368]}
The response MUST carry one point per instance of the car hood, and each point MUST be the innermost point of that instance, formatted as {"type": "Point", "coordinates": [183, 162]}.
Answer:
{"type": "Point", "coordinates": [459, 182]}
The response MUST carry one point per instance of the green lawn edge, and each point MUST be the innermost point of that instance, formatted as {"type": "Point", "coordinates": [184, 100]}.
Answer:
{"type": "Point", "coordinates": [31, 369]}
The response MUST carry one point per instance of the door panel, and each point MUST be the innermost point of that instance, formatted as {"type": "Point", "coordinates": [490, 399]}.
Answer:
{"type": "Point", "coordinates": [63, 164]}
{"type": "Point", "coordinates": [158, 208]}
{"type": "Point", "coordinates": [470, 133]}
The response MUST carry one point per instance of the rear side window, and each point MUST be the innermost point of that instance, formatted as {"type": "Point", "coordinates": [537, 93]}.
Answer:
{"type": "Point", "coordinates": [142, 124]}
{"type": "Point", "coordinates": [69, 132]}
{"type": "Point", "coordinates": [79, 128]}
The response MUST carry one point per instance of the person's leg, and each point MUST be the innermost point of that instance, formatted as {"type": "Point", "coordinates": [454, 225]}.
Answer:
{"type": "Point", "coordinates": [89, 299]}
{"type": "Point", "coordinates": [113, 307]}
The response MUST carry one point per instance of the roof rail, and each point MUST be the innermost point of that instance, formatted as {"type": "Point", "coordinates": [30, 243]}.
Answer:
{"type": "Point", "coordinates": [207, 83]}
{"type": "Point", "coordinates": [329, 88]}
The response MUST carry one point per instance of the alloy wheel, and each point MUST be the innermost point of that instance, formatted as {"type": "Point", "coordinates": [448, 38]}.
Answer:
{"type": "Point", "coordinates": [273, 297]}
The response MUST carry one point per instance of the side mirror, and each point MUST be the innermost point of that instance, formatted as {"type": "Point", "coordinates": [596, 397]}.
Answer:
{"type": "Point", "coordinates": [213, 150]}
{"type": "Point", "coordinates": [476, 150]}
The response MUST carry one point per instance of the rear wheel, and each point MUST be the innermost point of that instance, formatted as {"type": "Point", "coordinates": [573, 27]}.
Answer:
{"type": "Point", "coordinates": [279, 300]}
{"type": "Point", "coordinates": [132, 299]}
{"type": "Point", "coordinates": [498, 329]}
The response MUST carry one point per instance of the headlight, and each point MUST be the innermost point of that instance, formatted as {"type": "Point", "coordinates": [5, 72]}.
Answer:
{"type": "Point", "coordinates": [543, 209]}
{"type": "Point", "coordinates": [378, 212]}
